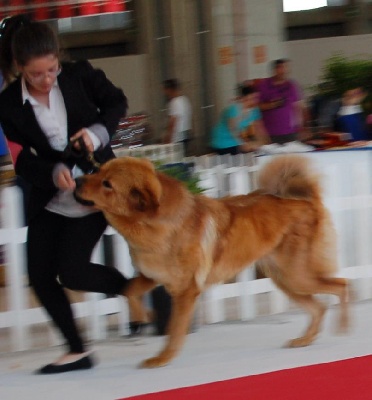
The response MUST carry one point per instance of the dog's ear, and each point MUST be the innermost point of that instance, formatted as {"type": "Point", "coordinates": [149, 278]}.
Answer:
{"type": "Point", "coordinates": [144, 200]}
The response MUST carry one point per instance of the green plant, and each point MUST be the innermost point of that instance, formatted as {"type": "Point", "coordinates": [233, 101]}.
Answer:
{"type": "Point", "coordinates": [341, 74]}
{"type": "Point", "coordinates": [184, 173]}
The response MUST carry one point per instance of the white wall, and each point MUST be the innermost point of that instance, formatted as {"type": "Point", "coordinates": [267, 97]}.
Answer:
{"type": "Point", "coordinates": [223, 38]}
{"type": "Point", "coordinates": [130, 74]}
{"type": "Point", "coordinates": [265, 27]}
{"type": "Point", "coordinates": [308, 56]}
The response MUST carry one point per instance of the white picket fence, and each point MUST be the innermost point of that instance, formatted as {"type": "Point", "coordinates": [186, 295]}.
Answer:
{"type": "Point", "coordinates": [348, 194]}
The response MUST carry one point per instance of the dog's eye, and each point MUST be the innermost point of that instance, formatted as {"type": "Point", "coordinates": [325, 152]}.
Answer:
{"type": "Point", "coordinates": [106, 184]}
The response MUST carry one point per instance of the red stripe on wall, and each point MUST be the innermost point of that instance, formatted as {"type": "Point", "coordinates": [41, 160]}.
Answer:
{"type": "Point", "coordinates": [43, 9]}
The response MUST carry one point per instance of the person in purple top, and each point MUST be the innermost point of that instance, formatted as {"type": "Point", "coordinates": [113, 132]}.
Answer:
{"type": "Point", "coordinates": [281, 104]}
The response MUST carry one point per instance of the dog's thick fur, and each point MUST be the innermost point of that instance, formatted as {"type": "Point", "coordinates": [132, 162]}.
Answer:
{"type": "Point", "coordinates": [188, 242]}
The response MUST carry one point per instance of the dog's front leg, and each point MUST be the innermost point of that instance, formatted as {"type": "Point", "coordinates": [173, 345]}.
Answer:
{"type": "Point", "coordinates": [182, 310]}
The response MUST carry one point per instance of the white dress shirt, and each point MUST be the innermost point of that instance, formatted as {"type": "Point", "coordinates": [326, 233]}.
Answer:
{"type": "Point", "coordinates": [53, 122]}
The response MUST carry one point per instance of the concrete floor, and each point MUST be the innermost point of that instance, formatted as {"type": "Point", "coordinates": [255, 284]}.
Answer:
{"type": "Point", "coordinates": [214, 352]}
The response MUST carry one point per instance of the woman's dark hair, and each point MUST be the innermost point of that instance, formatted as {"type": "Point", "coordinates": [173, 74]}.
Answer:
{"type": "Point", "coordinates": [276, 63]}
{"type": "Point", "coordinates": [171, 84]}
{"type": "Point", "coordinates": [245, 90]}
{"type": "Point", "coordinates": [22, 40]}
{"type": "Point", "coordinates": [8, 27]}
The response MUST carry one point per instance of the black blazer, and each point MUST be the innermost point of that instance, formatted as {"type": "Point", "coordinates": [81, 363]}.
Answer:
{"type": "Point", "coordinates": [89, 98]}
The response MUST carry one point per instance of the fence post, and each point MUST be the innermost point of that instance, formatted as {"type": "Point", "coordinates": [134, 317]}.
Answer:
{"type": "Point", "coordinates": [124, 264]}
{"type": "Point", "coordinates": [247, 299]}
{"type": "Point", "coordinates": [239, 181]}
{"type": "Point", "coordinates": [13, 221]}
{"type": "Point", "coordinates": [361, 184]}
{"type": "Point", "coordinates": [279, 302]}
{"type": "Point", "coordinates": [97, 325]}
{"type": "Point", "coordinates": [214, 311]}
{"type": "Point", "coordinates": [209, 181]}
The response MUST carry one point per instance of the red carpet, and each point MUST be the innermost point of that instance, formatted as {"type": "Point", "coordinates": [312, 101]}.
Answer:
{"type": "Point", "coordinates": [348, 379]}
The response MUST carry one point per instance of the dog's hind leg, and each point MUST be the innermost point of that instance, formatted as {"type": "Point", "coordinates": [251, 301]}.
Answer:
{"type": "Point", "coordinates": [330, 285]}
{"type": "Point", "coordinates": [316, 310]}
{"type": "Point", "coordinates": [302, 291]}
{"type": "Point", "coordinates": [338, 287]}
{"type": "Point", "coordinates": [308, 303]}
{"type": "Point", "coordinates": [182, 310]}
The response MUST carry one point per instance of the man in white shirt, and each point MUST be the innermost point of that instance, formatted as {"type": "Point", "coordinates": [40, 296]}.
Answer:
{"type": "Point", "coordinates": [179, 114]}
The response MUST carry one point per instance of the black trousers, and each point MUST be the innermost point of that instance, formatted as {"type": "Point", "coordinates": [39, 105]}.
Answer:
{"type": "Point", "coordinates": [228, 150]}
{"type": "Point", "coordinates": [59, 251]}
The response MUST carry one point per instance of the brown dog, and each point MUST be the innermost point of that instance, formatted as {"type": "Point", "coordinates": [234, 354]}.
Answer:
{"type": "Point", "coordinates": [187, 242]}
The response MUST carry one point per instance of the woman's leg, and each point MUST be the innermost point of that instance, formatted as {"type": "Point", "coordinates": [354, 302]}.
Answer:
{"type": "Point", "coordinates": [42, 244]}
{"type": "Point", "coordinates": [60, 247]}
{"type": "Point", "coordinates": [76, 271]}
{"type": "Point", "coordinates": [229, 150]}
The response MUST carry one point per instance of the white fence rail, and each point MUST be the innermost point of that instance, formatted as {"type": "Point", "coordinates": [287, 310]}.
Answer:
{"type": "Point", "coordinates": [348, 194]}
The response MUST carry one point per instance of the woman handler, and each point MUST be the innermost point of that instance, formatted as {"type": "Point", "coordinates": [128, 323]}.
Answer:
{"type": "Point", "coordinates": [48, 105]}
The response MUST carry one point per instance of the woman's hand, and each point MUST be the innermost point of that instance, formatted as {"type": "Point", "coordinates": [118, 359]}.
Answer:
{"type": "Point", "coordinates": [86, 138]}
{"type": "Point", "coordinates": [248, 147]}
{"type": "Point", "coordinates": [64, 180]}
{"type": "Point", "coordinates": [277, 103]}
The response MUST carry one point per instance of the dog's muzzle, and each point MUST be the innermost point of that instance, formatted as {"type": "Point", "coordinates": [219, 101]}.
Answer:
{"type": "Point", "coordinates": [79, 184]}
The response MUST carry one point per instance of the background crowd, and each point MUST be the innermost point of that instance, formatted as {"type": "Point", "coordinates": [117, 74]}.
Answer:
{"type": "Point", "coordinates": [271, 110]}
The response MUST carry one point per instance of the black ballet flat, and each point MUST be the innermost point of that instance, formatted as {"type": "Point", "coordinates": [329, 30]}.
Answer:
{"type": "Point", "coordinates": [135, 329]}
{"type": "Point", "coordinates": [84, 363]}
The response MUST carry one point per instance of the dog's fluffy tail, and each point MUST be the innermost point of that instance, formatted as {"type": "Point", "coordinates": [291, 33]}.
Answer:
{"type": "Point", "coordinates": [290, 176]}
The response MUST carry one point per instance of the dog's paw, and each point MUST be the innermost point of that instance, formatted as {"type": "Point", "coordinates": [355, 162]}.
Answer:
{"type": "Point", "coordinates": [154, 362]}
{"type": "Point", "coordinates": [343, 327]}
{"type": "Point", "coordinates": [299, 342]}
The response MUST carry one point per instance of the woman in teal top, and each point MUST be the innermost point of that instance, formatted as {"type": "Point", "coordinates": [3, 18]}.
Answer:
{"type": "Point", "coordinates": [240, 128]}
